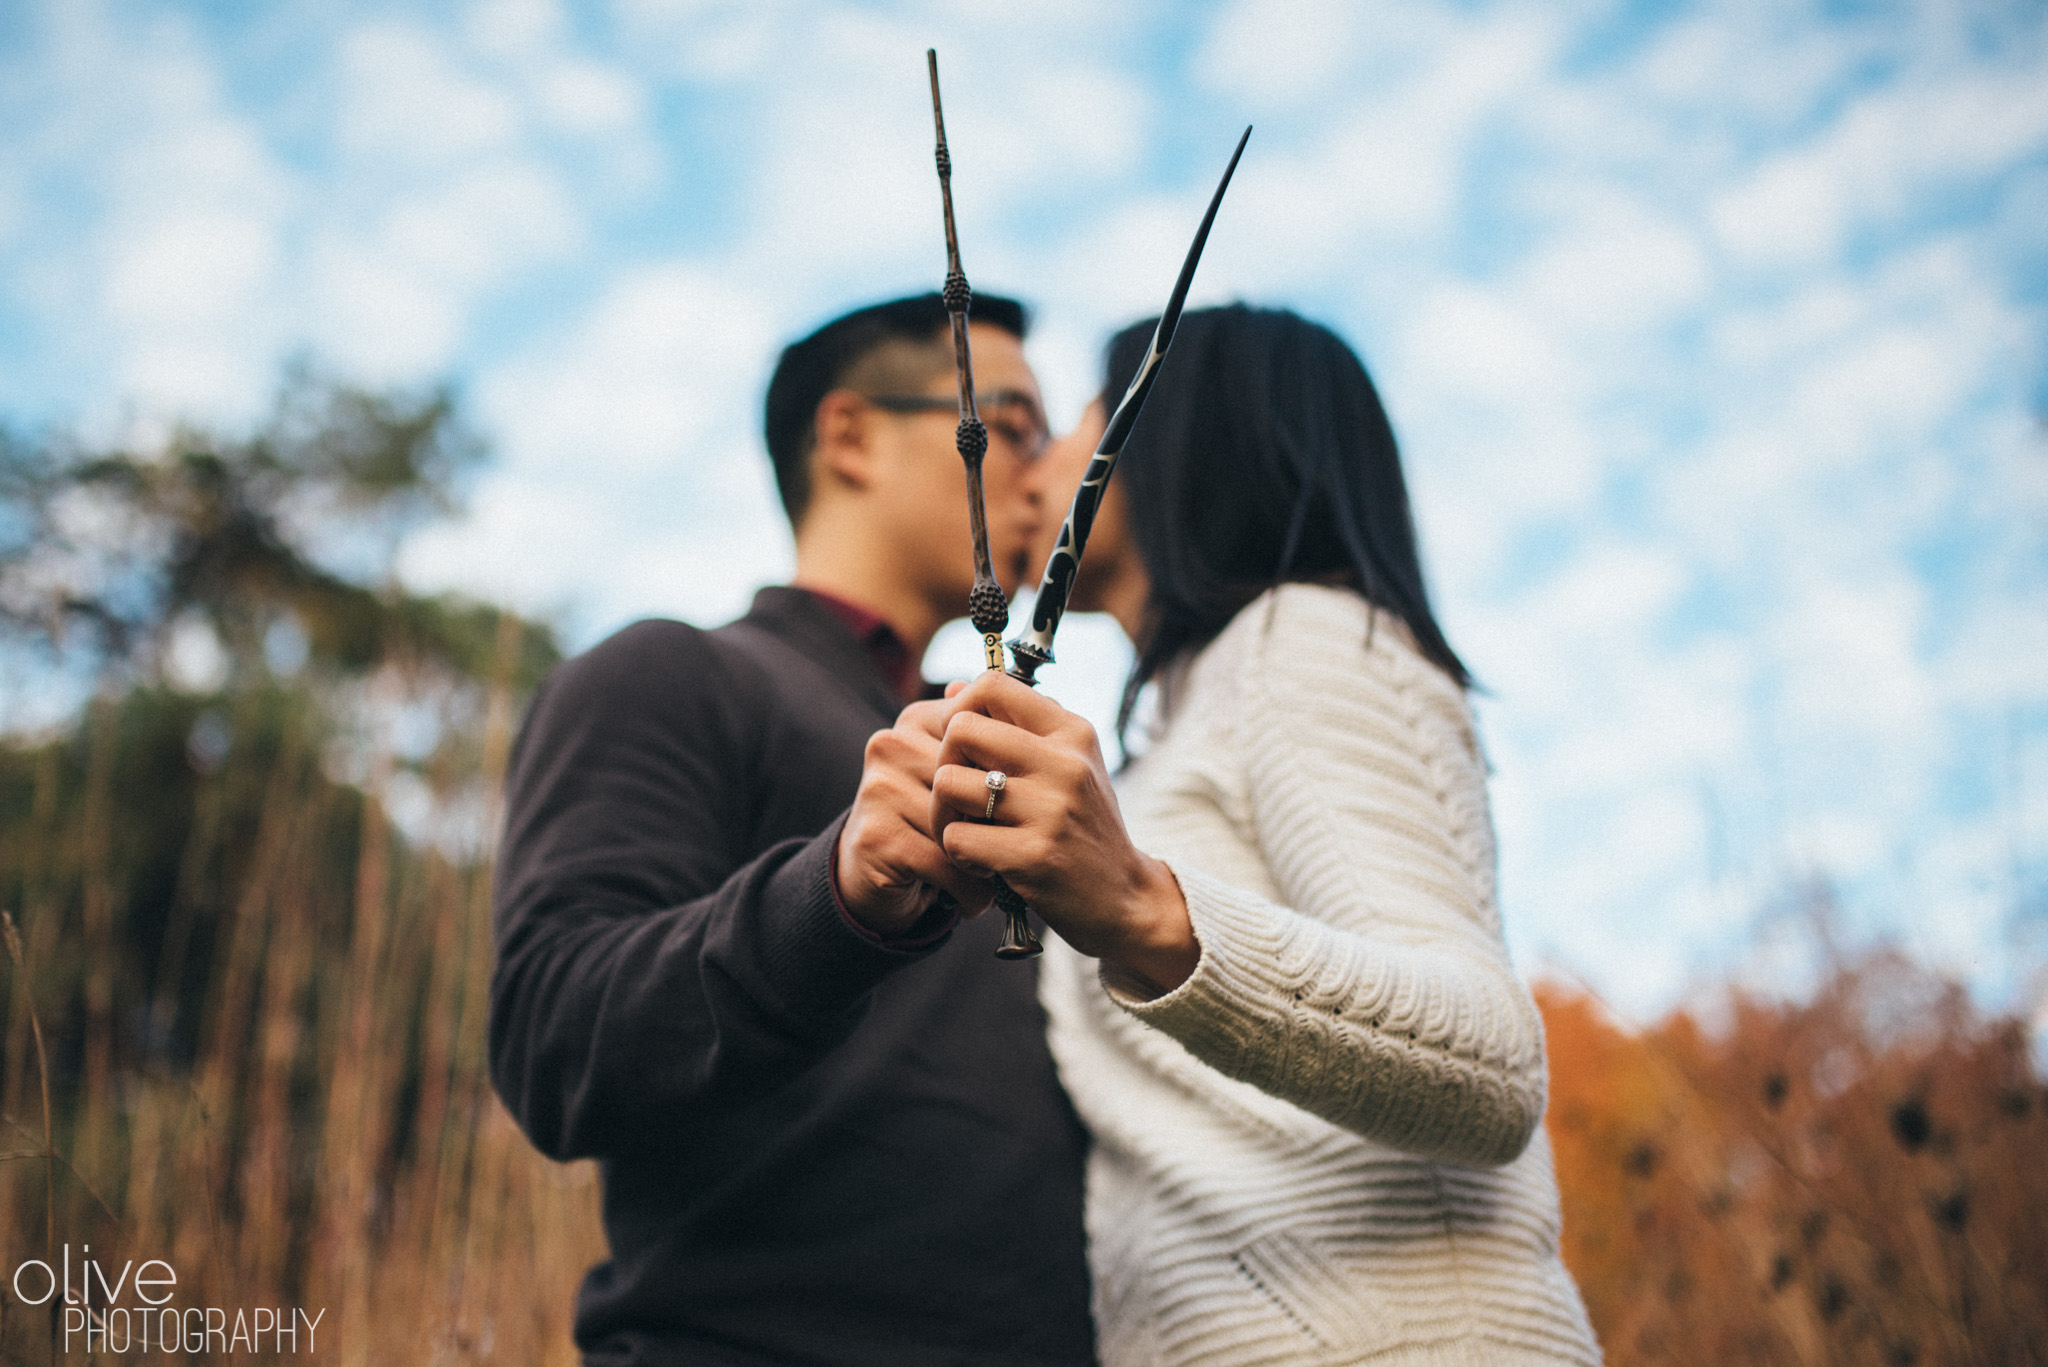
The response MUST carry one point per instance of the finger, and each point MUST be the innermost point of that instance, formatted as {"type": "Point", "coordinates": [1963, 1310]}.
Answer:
{"type": "Point", "coordinates": [891, 856]}
{"type": "Point", "coordinates": [926, 718]}
{"type": "Point", "coordinates": [925, 860]}
{"type": "Point", "coordinates": [985, 743]}
{"type": "Point", "coordinates": [995, 694]}
{"type": "Point", "coordinates": [962, 793]}
{"type": "Point", "coordinates": [1007, 851]}
{"type": "Point", "coordinates": [900, 755]}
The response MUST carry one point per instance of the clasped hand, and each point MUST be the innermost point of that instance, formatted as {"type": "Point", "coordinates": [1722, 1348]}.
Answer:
{"type": "Point", "coordinates": [1057, 835]}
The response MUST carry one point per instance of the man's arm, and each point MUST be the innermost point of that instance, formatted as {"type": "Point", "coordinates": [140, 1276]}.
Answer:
{"type": "Point", "coordinates": [644, 971]}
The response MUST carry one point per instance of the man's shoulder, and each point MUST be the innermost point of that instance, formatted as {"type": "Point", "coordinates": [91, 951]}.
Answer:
{"type": "Point", "coordinates": [663, 664]}
{"type": "Point", "coordinates": [652, 646]}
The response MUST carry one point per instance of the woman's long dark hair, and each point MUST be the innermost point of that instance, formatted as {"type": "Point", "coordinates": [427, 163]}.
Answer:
{"type": "Point", "coordinates": [1263, 456]}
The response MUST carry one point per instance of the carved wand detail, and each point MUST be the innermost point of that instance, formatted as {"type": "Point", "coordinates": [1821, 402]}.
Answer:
{"type": "Point", "coordinates": [1032, 647]}
{"type": "Point", "coordinates": [987, 608]}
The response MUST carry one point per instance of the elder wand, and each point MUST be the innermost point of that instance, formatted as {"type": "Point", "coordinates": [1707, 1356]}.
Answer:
{"type": "Point", "coordinates": [987, 608]}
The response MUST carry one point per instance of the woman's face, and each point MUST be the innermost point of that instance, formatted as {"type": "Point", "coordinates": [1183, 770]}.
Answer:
{"type": "Point", "coordinates": [1109, 560]}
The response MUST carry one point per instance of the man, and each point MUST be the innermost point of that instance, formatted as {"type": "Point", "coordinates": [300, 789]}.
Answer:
{"type": "Point", "coordinates": [828, 1122]}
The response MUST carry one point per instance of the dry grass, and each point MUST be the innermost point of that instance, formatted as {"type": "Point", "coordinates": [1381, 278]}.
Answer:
{"type": "Point", "coordinates": [1862, 1178]}
{"type": "Point", "coordinates": [279, 1087]}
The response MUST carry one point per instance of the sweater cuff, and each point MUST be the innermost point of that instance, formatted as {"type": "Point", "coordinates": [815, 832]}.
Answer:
{"type": "Point", "coordinates": [938, 919]}
{"type": "Point", "coordinates": [821, 961]}
{"type": "Point", "coordinates": [1239, 983]}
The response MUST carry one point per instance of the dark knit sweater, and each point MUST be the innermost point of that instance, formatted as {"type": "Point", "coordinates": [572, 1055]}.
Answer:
{"type": "Point", "coordinates": [816, 1148]}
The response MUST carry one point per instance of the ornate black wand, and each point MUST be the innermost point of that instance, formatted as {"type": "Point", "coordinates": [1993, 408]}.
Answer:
{"type": "Point", "coordinates": [986, 606]}
{"type": "Point", "coordinates": [1032, 647]}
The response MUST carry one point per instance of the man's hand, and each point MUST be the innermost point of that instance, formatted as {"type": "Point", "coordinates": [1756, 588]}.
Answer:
{"type": "Point", "coordinates": [889, 865]}
{"type": "Point", "coordinates": [1057, 835]}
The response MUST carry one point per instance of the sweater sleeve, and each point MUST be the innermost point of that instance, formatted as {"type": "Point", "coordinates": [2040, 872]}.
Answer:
{"type": "Point", "coordinates": [1376, 991]}
{"type": "Point", "coordinates": [643, 970]}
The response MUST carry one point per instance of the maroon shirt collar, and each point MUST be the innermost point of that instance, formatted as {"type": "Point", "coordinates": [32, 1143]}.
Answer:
{"type": "Point", "coordinates": [885, 649]}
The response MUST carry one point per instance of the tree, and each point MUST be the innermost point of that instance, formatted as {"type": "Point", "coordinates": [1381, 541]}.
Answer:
{"type": "Point", "coordinates": [290, 529]}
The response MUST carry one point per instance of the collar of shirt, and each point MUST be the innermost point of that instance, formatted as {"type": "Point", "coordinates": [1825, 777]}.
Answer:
{"type": "Point", "coordinates": [885, 649]}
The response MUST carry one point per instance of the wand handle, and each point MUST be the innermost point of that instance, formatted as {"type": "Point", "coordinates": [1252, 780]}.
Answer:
{"type": "Point", "coordinates": [987, 608]}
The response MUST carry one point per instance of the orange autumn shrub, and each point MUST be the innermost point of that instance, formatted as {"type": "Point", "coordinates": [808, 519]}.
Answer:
{"type": "Point", "coordinates": [1860, 1178]}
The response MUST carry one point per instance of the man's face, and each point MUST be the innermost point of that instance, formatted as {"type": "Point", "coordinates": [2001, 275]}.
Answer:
{"type": "Point", "coordinates": [921, 483]}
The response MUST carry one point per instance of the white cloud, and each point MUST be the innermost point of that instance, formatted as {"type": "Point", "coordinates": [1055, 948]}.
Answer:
{"type": "Point", "coordinates": [405, 99]}
{"type": "Point", "coordinates": [590, 99]}
{"type": "Point", "coordinates": [514, 29]}
{"type": "Point", "coordinates": [1880, 158]}
{"type": "Point", "coordinates": [173, 284]}
{"type": "Point", "coordinates": [1890, 389]}
{"type": "Point", "coordinates": [718, 41]}
{"type": "Point", "coordinates": [375, 317]}
{"type": "Point", "coordinates": [1473, 343]}
{"type": "Point", "coordinates": [1279, 52]}
{"type": "Point", "coordinates": [642, 381]}
{"type": "Point", "coordinates": [1789, 212]}
{"type": "Point", "coordinates": [1066, 124]}
{"type": "Point", "coordinates": [1614, 265]}
{"type": "Point", "coordinates": [194, 268]}
{"type": "Point", "coordinates": [623, 447]}
{"type": "Point", "coordinates": [476, 229]}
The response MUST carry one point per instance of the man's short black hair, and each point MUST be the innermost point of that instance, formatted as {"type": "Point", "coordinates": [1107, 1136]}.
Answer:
{"type": "Point", "coordinates": [822, 362]}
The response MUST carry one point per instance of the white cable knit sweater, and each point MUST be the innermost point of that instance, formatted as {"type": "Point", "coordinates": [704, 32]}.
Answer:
{"type": "Point", "coordinates": [1325, 1146]}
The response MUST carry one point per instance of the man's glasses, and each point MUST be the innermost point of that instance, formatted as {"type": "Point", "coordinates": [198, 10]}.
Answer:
{"type": "Point", "coordinates": [1011, 416]}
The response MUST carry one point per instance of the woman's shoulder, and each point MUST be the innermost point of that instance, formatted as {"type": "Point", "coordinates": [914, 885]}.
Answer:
{"type": "Point", "coordinates": [1307, 654]}
{"type": "Point", "coordinates": [1295, 624]}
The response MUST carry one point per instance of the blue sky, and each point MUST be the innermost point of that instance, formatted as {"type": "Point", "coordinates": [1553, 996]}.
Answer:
{"type": "Point", "coordinates": [1716, 337]}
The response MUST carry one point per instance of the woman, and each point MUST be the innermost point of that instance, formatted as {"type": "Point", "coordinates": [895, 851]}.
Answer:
{"type": "Point", "coordinates": [1313, 1080]}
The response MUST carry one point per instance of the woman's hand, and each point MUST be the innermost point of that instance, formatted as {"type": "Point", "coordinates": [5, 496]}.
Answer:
{"type": "Point", "coordinates": [1056, 836]}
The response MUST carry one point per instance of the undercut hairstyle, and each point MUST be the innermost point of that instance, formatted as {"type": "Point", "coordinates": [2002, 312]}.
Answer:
{"type": "Point", "coordinates": [893, 347]}
{"type": "Point", "coordinates": [1263, 456]}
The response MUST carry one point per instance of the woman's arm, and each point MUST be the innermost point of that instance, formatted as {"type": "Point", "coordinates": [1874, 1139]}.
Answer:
{"type": "Point", "coordinates": [1373, 990]}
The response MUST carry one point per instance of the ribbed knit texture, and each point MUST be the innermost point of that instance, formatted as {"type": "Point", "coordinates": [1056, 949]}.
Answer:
{"type": "Point", "coordinates": [1324, 1147]}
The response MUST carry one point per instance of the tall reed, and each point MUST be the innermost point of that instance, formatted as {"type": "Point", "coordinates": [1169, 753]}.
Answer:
{"type": "Point", "coordinates": [265, 1004]}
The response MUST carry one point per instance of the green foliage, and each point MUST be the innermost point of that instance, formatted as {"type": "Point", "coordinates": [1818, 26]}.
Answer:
{"type": "Point", "coordinates": [292, 526]}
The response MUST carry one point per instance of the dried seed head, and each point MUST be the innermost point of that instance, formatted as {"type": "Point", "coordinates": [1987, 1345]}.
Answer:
{"type": "Point", "coordinates": [1910, 1124]}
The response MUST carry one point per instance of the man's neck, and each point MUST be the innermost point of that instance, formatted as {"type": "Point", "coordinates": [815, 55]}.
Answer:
{"type": "Point", "coordinates": [905, 611]}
